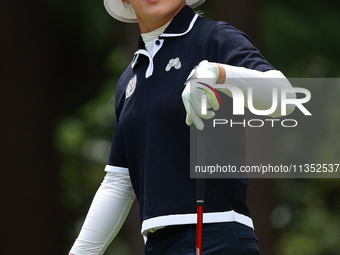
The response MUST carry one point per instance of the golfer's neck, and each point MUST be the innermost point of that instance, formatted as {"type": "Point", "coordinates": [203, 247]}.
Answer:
{"type": "Point", "coordinates": [146, 27]}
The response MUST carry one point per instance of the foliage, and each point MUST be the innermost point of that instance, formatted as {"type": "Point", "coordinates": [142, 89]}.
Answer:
{"type": "Point", "coordinates": [83, 140]}
{"type": "Point", "coordinates": [302, 39]}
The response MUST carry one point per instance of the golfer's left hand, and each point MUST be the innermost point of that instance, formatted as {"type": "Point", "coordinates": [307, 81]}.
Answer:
{"type": "Point", "coordinates": [202, 77]}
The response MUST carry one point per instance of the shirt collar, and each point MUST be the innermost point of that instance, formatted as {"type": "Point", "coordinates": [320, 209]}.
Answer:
{"type": "Point", "coordinates": [181, 24]}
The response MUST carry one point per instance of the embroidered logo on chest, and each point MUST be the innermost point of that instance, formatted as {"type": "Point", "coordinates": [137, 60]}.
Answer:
{"type": "Point", "coordinates": [176, 63]}
{"type": "Point", "coordinates": [131, 87]}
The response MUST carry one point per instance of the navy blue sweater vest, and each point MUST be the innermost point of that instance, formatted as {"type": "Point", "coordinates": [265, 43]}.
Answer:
{"type": "Point", "coordinates": [151, 137]}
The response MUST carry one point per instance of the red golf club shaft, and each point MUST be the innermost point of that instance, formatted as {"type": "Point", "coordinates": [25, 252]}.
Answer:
{"type": "Point", "coordinates": [199, 233]}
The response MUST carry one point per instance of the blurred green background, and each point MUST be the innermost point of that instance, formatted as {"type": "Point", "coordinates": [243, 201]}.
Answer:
{"type": "Point", "coordinates": [59, 64]}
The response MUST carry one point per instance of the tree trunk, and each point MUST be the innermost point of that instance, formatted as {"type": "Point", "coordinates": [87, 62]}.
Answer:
{"type": "Point", "coordinates": [30, 212]}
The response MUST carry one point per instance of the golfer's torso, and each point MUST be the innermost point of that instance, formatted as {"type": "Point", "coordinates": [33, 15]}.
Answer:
{"type": "Point", "coordinates": [152, 124]}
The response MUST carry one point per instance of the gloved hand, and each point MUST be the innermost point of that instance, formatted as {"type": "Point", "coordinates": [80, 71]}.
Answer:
{"type": "Point", "coordinates": [201, 80]}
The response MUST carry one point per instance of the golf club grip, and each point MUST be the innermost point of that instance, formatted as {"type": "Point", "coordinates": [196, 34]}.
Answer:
{"type": "Point", "coordinates": [201, 157]}
{"type": "Point", "coordinates": [200, 192]}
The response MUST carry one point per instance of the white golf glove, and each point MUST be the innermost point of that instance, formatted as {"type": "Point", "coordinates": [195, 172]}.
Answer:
{"type": "Point", "coordinates": [201, 80]}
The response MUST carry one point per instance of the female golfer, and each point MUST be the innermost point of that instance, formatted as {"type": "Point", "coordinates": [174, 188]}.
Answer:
{"type": "Point", "coordinates": [150, 153]}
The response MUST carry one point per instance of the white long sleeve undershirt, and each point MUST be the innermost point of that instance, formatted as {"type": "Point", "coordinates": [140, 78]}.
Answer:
{"type": "Point", "coordinates": [262, 84]}
{"type": "Point", "coordinates": [107, 213]}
